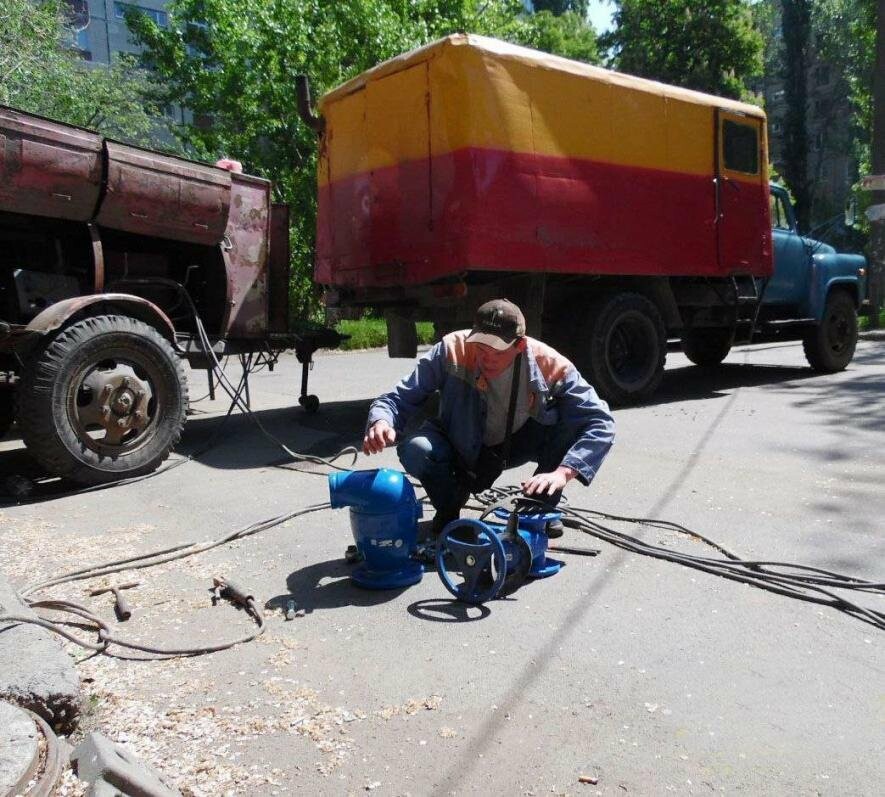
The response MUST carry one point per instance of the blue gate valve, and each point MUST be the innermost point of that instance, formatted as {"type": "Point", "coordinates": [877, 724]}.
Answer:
{"type": "Point", "coordinates": [494, 558]}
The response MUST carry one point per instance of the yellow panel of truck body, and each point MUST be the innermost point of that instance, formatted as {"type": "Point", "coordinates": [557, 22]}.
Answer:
{"type": "Point", "coordinates": [396, 117]}
{"type": "Point", "coordinates": [480, 93]}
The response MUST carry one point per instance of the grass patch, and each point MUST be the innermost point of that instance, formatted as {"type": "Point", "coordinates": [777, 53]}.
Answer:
{"type": "Point", "coordinates": [371, 333]}
{"type": "Point", "coordinates": [864, 321]}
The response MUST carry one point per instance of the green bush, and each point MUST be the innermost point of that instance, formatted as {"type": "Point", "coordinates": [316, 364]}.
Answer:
{"type": "Point", "coordinates": [371, 333]}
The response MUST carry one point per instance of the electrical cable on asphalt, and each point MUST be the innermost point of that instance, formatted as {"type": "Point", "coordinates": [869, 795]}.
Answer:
{"type": "Point", "coordinates": [733, 567]}
{"type": "Point", "coordinates": [791, 585]}
{"type": "Point", "coordinates": [755, 573]}
{"type": "Point", "coordinates": [151, 559]}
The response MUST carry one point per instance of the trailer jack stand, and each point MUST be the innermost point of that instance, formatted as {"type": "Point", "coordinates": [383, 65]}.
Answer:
{"type": "Point", "coordinates": [304, 353]}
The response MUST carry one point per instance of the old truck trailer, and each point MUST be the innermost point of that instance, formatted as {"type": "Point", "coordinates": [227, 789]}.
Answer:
{"type": "Point", "coordinates": [617, 211]}
{"type": "Point", "coordinates": [108, 256]}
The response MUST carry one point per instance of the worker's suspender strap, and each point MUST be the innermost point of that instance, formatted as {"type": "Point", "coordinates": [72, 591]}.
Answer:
{"type": "Point", "coordinates": [511, 410]}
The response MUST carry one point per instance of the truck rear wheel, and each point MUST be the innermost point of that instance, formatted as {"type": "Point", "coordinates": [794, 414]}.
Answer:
{"type": "Point", "coordinates": [623, 348]}
{"type": "Point", "coordinates": [829, 346]}
{"type": "Point", "coordinates": [707, 346]}
{"type": "Point", "coordinates": [105, 399]}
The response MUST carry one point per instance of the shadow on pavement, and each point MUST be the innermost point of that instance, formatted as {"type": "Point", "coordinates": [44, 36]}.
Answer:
{"type": "Point", "coordinates": [327, 585]}
{"type": "Point", "coordinates": [447, 610]}
{"type": "Point", "coordinates": [691, 383]}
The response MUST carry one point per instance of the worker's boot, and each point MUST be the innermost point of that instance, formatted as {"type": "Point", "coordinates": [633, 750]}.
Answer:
{"type": "Point", "coordinates": [451, 511]}
{"type": "Point", "coordinates": [441, 520]}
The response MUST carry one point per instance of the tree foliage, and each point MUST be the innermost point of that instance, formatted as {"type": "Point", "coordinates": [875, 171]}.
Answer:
{"type": "Point", "coordinates": [846, 33]}
{"type": "Point", "coordinates": [559, 7]}
{"type": "Point", "coordinates": [796, 26]}
{"type": "Point", "coordinates": [233, 63]}
{"type": "Point", "coordinates": [802, 37]}
{"type": "Point", "coordinates": [40, 72]}
{"type": "Point", "coordinates": [708, 45]}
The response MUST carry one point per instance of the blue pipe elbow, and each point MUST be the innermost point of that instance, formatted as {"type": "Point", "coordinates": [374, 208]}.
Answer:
{"type": "Point", "coordinates": [384, 516]}
{"type": "Point", "coordinates": [371, 491]}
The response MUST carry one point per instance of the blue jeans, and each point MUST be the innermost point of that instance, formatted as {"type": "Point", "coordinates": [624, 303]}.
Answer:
{"type": "Point", "coordinates": [430, 457]}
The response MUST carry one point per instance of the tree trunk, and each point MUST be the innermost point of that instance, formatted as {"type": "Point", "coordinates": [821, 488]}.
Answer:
{"type": "Point", "coordinates": [796, 24]}
{"type": "Point", "coordinates": [877, 243]}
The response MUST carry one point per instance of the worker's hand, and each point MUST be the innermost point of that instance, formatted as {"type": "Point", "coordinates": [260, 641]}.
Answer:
{"type": "Point", "coordinates": [548, 483]}
{"type": "Point", "coordinates": [380, 435]}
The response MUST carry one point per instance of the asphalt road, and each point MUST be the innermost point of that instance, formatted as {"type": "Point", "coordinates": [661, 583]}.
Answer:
{"type": "Point", "coordinates": [641, 674]}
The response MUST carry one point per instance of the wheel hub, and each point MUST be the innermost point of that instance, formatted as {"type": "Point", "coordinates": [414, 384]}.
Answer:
{"type": "Point", "coordinates": [113, 403]}
{"type": "Point", "coordinates": [630, 356]}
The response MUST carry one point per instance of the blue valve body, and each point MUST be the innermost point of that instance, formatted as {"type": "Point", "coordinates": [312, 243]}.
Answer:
{"type": "Point", "coordinates": [531, 528]}
{"type": "Point", "coordinates": [384, 517]}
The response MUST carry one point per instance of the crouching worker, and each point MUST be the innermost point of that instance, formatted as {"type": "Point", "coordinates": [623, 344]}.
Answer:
{"type": "Point", "coordinates": [505, 399]}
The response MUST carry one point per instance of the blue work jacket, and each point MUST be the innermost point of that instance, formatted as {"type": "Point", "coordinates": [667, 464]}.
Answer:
{"type": "Point", "coordinates": [558, 394]}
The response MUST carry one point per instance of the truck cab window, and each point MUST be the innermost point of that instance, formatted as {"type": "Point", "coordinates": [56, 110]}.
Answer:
{"type": "Point", "coordinates": [740, 147]}
{"type": "Point", "coordinates": [779, 218]}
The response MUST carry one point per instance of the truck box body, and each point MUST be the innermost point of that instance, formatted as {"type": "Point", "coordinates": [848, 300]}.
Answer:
{"type": "Point", "coordinates": [473, 154]}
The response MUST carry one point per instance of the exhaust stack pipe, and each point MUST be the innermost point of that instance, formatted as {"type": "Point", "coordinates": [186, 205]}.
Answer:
{"type": "Point", "coordinates": [305, 106]}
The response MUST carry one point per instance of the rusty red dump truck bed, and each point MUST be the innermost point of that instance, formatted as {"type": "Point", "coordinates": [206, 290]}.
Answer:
{"type": "Point", "coordinates": [69, 174]}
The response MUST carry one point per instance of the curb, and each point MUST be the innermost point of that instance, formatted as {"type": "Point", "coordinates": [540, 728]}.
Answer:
{"type": "Point", "coordinates": [35, 671]}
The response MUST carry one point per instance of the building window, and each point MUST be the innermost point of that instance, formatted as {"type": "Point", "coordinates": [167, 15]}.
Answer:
{"type": "Point", "coordinates": [777, 126]}
{"type": "Point", "coordinates": [160, 17]}
{"type": "Point", "coordinates": [740, 147]}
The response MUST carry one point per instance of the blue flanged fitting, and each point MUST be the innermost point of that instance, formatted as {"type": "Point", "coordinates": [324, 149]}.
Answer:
{"type": "Point", "coordinates": [533, 529]}
{"type": "Point", "coordinates": [384, 517]}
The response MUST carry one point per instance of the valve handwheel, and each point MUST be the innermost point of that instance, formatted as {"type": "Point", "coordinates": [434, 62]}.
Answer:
{"type": "Point", "coordinates": [472, 550]}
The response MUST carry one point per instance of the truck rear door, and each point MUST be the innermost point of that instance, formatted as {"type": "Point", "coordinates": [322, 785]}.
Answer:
{"type": "Point", "coordinates": [743, 225]}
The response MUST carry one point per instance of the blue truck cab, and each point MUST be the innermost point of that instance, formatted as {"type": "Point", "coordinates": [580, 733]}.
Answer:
{"type": "Point", "coordinates": [815, 295]}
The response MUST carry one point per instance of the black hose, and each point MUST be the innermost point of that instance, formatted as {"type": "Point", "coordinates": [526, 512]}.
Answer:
{"type": "Point", "coordinates": [805, 583]}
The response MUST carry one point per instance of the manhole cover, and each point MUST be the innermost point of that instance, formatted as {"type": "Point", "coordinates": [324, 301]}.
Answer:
{"type": "Point", "coordinates": [19, 749]}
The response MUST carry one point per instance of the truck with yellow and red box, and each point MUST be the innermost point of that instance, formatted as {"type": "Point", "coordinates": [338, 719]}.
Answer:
{"type": "Point", "coordinates": [617, 211]}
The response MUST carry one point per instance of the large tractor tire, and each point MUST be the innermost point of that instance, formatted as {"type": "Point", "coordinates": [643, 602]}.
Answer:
{"type": "Point", "coordinates": [830, 345]}
{"type": "Point", "coordinates": [621, 348]}
{"type": "Point", "coordinates": [707, 347]}
{"type": "Point", "coordinates": [104, 399]}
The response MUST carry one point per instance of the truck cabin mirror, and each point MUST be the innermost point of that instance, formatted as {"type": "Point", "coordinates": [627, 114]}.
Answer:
{"type": "Point", "coordinates": [851, 211]}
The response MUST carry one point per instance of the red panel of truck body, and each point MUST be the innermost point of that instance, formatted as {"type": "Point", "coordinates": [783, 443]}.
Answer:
{"type": "Point", "coordinates": [507, 211]}
{"type": "Point", "coordinates": [47, 168]}
{"type": "Point", "coordinates": [152, 194]}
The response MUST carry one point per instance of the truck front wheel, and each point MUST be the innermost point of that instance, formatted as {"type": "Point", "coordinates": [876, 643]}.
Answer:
{"type": "Point", "coordinates": [830, 345]}
{"type": "Point", "coordinates": [105, 399]}
{"type": "Point", "coordinates": [623, 348]}
{"type": "Point", "coordinates": [707, 347]}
